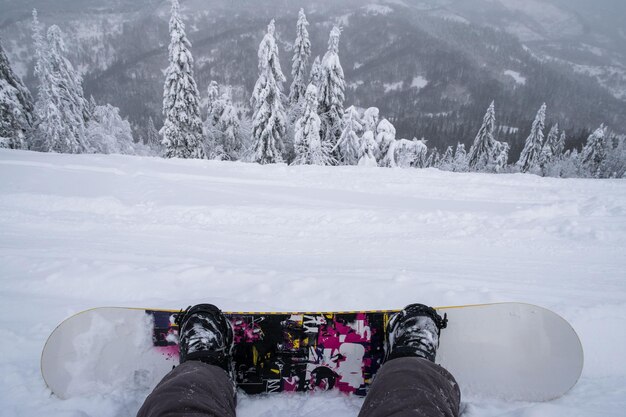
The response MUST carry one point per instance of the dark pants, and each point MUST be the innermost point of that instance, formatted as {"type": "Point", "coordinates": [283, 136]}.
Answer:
{"type": "Point", "coordinates": [404, 387]}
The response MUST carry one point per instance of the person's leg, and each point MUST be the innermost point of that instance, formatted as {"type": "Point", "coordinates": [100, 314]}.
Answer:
{"type": "Point", "coordinates": [412, 387]}
{"type": "Point", "coordinates": [203, 384]}
{"type": "Point", "coordinates": [410, 384]}
{"type": "Point", "coordinates": [192, 389]}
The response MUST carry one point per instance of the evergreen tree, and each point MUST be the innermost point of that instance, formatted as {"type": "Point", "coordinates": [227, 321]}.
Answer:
{"type": "Point", "coordinates": [367, 150]}
{"type": "Point", "coordinates": [384, 138]}
{"type": "Point", "coordinates": [460, 158]}
{"type": "Point", "coordinates": [500, 156]}
{"type": "Point", "coordinates": [182, 127]}
{"type": "Point", "coordinates": [152, 136]}
{"type": "Point", "coordinates": [349, 144]}
{"type": "Point", "coordinates": [447, 160]}
{"type": "Point", "coordinates": [481, 151]}
{"type": "Point", "coordinates": [215, 108]}
{"type": "Point", "coordinates": [547, 155]}
{"type": "Point", "coordinates": [67, 79]}
{"type": "Point", "coordinates": [16, 107]}
{"type": "Point", "coordinates": [595, 151]}
{"type": "Point", "coordinates": [300, 60]}
{"type": "Point", "coordinates": [316, 72]}
{"type": "Point", "coordinates": [370, 120]}
{"type": "Point", "coordinates": [268, 124]}
{"type": "Point", "coordinates": [309, 147]}
{"type": "Point", "coordinates": [332, 88]}
{"type": "Point", "coordinates": [231, 140]}
{"type": "Point", "coordinates": [107, 132]}
{"type": "Point", "coordinates": [529, 158]}
{"type": "Point", "coordinates": [61, 106]}
{"type": "Point", "coordinates": [213, 94]}
{"type": "Point", "coordinates": [559, 148]}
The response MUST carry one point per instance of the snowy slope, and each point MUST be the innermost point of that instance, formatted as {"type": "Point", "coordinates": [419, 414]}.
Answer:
{"type": "Point", "coordinates": [78, 231]}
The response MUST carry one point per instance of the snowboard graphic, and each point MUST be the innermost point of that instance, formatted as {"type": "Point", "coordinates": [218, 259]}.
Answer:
{"type": "Point", "coordinates": [508, 350]}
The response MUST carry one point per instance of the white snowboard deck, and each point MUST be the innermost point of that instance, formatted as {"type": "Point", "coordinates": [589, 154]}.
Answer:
{"type": "Point", "coordinates": [509, 351]}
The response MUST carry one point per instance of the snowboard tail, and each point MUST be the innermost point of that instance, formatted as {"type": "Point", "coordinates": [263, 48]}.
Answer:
{"type": "Point", "coordinates": [507, 350]}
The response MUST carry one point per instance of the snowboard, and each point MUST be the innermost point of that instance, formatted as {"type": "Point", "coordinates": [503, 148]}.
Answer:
{"type": "Point", "coordinates": [508, 351]}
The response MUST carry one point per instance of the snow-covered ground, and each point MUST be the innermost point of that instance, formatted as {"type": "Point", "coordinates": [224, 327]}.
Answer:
{"type": "Point", "coordinates": [78, 231]}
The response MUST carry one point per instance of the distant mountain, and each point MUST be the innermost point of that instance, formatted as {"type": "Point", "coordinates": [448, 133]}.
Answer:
{"type": "Point", "coordinates": [432, 67]}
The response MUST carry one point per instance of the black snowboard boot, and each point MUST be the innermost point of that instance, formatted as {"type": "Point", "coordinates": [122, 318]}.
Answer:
{"type": "Point", "coordinates": [414, 331]}
{"type": "Point", "coordinates": [206, 335]}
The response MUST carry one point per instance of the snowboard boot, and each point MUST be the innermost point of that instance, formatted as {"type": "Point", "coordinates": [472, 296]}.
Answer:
{"type": "Point", "coordinates": [414, 331]}
{"type": "Point", "coordinates": [206, 335]}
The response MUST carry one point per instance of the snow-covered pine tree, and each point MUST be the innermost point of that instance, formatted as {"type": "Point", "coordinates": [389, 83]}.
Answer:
{"type": "Point", "coordinates": [370, 119]}
{"type": "Point", "coordinates": [268, 121]}
{"type": "Point", "coordinates": [559, 148]}
{"type": "Point", "coordinates": [107, 132]}
{"type": "Point", "coordinates": [16, 107]}
{"type": "Point", "coordinates": [384, 138]}
{"type": "Point", "coordinates": [500, 156]}
{"type": "Point", "coordinates": [614, 165]}
{"type": "Point", "coordinates": [332, 92]}
{"type": "Point", "coordinates": [215, 107]}
{"type": "Point", "coordinates": [367, 150]}
{"type": "Point", "coordinates": [481, 151]}
{"type": "Point", "coordinates": [447, 159]}
{"type": "Point", "coordinates": [548, 150]}
{"type": "Point", "coordinates": [316, 72]}
{"type": "Point", "coordinates": [529, 158]}
{"type": "Point", "coordinates": [349, 144]}
{"type": "Point", "coordinates": [67, 79]}
{"type": "Point", "coordinates": [300, 60]}
{"type": "Point", "coordinates": [61, 107]}
{"type": "Point", "coordinates": [595, 152]}
{"type": "Point", "coordinates": [460, 158]}
{"type": "Point", "coordinates": [229, 129]}
{"type": "Point", "coordinates": [213, 94]}
{"type": "Point", "coordinates": [182, 127]}
{"type": "Point", "coordinates": [153, 139]}
{"type": "Point", "coordinates": [309, 148]}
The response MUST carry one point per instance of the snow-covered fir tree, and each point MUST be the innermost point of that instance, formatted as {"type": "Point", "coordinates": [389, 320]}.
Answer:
{"type": "Point", "coordinates": [559, 148]}
{"type": "Point", "coordinates": [367, 150]}
{"type": "Point", "coordinates": [269, 119]}
{"type": "Point", "coordinates": [447, 159]}
{"type": "Point", "coordinates": [216, 103]}
{"type": "Point", "coordinates": [595, 152]}
{"type": "Point", "coordinates": [316, 72]}
{"type": "Point", "coordinates": [386, 135]}
{"type": "Point", "coordinates": [300, 60]}
{"type": "Point", "coordinates": [67, 79]}
{"type": "Point", "coordinates": [16, 107]}
{"type": "Point", "coordinates": [460, 158]}
{"type": "Point", "coordinates": [370, 119]}
{"type": "Point", "coordinates": [107, 132]}
{"type": "Point", "coordinates": [615, 163]}
{"type": "Point", "coordinates": [547, 154]}
{"type": "Point", "coordinates": [529, 158]}
{"type": "Point", "coordinates": [500, 156]}
{"type": "Point", "coordinates": [349, 144]}
{"type": "Point", "coordinates": [61, 107]}
{"type": "Point", "coordinates": [182, 127]}
{"type": "Point", "coordinates": [332, 91]}
{"type": "Point", "coordinates": [213, 94]}
{"type": "Point", "coordinates": [228, 126]}
{"type": "Point", "coordinates": [481, 151]}
{"type": "Point", "coordinates": [405, 153]}
{"type": "Point", "coordinates": [433, 159]}
{"type": "Point", "coordinates": [153, 139]}
{"type": "Point", "coordinates": [309, 148]}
